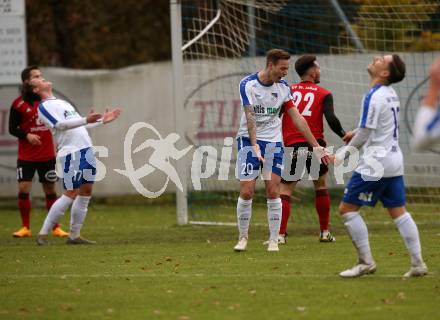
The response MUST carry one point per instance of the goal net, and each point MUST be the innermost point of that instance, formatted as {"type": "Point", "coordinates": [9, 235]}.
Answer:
{"type": "Point", "coordinates": [225, 40]}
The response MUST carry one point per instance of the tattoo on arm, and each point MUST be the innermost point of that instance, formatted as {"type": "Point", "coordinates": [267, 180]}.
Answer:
{"type": "Point", "coordinates": [251, 124]}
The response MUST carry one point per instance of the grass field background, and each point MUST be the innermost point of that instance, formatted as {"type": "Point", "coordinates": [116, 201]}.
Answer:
{"type": "Point", "coordinates": [146, 267]}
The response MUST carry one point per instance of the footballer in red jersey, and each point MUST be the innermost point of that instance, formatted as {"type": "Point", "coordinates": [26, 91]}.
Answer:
{"type": "Point", "coordinates": [314, 103]}
{"type": "Point", "coordinates": [36, 152]}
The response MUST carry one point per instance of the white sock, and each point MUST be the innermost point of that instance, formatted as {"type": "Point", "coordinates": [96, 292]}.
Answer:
{"type": "Point", "coordinates": [244, 213]}
{"type": "Point", "coordinates": [357, 229]}
{"type": "Point", "coordinates": [410, 234]}
{"type": "Point", "coordinates": [55, 213]}
{"type": "Point", "coordinates": [274, 217]}
{"type": "Point", "coordinates": [78, 215]}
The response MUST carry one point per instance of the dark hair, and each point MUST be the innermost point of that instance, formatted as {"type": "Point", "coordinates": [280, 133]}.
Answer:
{"type": "Point", "coordinates": [27, 93]}
{"type": "Point", "coordinates": [304, 63]}
{"type": "Point", "coordinates": [397, 69]}
{"type": "Point", "coordinates": [274, 55]}
{"type": "Point", "coordinates": [26, 73]}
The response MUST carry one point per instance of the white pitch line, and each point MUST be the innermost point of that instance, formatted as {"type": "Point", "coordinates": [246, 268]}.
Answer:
{"type": "Point", "coordinates": [257, 224]}
{"type": "Point", "coordinates": [189, 275]}
{"type": "Point", "coordinates": [234, 224]}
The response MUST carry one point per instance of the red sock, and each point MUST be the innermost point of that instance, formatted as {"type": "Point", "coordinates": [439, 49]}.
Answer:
{"type": "Point", "coordinates": [285, 211]}
{"type": "Point", "coordinates": [322, 204]}
{"type": "Point", "coordinates": [50, 200]}
{"type": "Point", "coordinates": [24, 205]}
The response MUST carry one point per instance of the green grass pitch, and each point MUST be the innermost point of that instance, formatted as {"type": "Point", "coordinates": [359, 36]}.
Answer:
{"type": "Point", "coordinates": [146, 267]}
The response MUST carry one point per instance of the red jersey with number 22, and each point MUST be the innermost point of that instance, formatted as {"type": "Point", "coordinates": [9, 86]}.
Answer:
{"type": "Point", "coordinates": [309, 99]}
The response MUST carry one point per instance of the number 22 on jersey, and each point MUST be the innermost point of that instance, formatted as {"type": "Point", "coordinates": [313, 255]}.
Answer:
{"type": "Point", "coordinates": [309, 98]}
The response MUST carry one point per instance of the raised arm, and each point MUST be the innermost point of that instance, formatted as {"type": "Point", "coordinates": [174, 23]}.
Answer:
{"type": "Point", "coordinates": [96, 119]}
{"type": "Point", "coordinates": [52, 120]}
{"type": "Point", "coordinates": [75, 123]}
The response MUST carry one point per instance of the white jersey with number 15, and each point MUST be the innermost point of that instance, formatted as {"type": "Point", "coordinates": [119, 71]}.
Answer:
{"type": "Point", "coordinates": [380, 112]}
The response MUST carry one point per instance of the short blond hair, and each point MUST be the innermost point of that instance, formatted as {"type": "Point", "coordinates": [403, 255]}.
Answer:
{"type": "Point", "coordinates": [274, 55]}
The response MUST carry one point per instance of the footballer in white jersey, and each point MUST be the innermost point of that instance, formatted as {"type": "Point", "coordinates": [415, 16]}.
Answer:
{"type": "Point", "coordinates": [75, 153]}
{"type": "Point", "coordinates": [74, 145]}
{"type": "Point", "coordinates": [259, 141]}
{"type": "Point", "coordinates": [379, 175]}
{"type": "Point", "coordinates": [380, 154]}
{"type": "Point", "coordinates": [427, 125]}
{"type": "Point", "coordinates": [267, 101]}
{"type": "Point", "coordinates": [51, 111]}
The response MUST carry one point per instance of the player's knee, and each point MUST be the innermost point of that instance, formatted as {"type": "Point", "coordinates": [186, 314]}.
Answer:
{"type": "Point", "coordinates": [285, 191]}
{"type": "Point", "coordinates": [246, 194]}
{"type": "Point", "coordinates": [342, 208]}
{"type": "Point", "coordinates": [71, 193]}
{"type": "Point", "coordinates": [49, 188]}
{"type": "Point", "coordinates": [272, 193]}
{"type": "Point", "coordinates": [320, 184]}
{"type": "Point", "coordinates": [85, 191]}
{"type": "Point", "coordinates": [347, 207]}
{"type": "Point", "coordinates": [24, 187]}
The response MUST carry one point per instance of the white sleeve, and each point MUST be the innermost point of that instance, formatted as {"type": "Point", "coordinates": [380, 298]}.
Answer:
{"type": "Point", "coordinates": [245, 93]}
{"type": "Point", "coordinates": [71, 123]}
{"type": "Point", "coordinates": [289, 92]}
{"type": "Point", "coordinates": [361, 136]}
{"type": "Point", "coordinates": [50, 119]}
{"type": "Point", "coordinates": [95, 124]}
{"type": "Point", "coordinates": [288, 97]}
{"type": "Point", "coordinates": [426, 128]}
{"type": "Point", "coordinates": [370, 112]}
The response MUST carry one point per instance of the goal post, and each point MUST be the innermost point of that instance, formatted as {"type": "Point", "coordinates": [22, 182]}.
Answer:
{"type": "Point", "coordinates": [176, 36]}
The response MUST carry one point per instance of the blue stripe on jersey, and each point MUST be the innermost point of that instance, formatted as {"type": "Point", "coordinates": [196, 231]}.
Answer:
{"type": "Point", "coordinates": [243, 83]}
{"type": "Point", "coordinates": [435, 121]}
{"type": "Point", "coordinates": [47, 114]}
{"type": "Point", "coordinates": [285, 82]}
{"type": "Point", "coordinates": [367, 104]}
{"type": "Point", "coordinates": [261, 83]}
